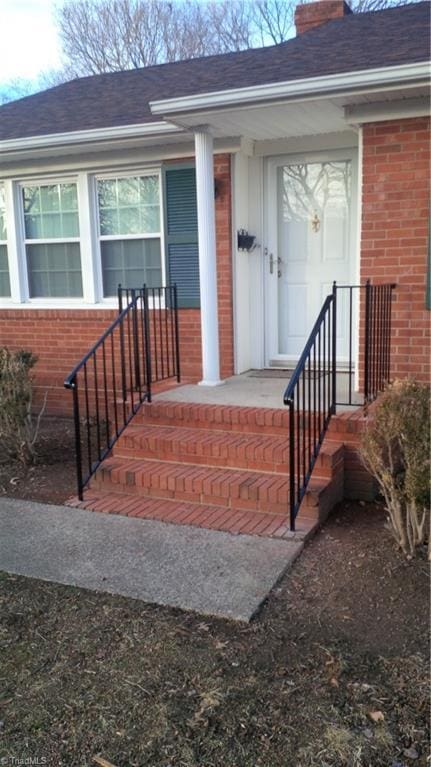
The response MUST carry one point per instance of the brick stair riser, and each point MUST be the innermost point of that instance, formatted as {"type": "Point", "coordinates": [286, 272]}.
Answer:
{"type": "Point", "coordinates": [207, 448]}
{"type": "Point", "coordinates": [215, 448]}
{"type": "Point", "coordinates": [224, 418]}
{"type": "Point", "coordinates": [228, 462]}
{"type": "Point", "coordinates": [198, 488]}
{"type": "Point", "coordinates": [319, 502]}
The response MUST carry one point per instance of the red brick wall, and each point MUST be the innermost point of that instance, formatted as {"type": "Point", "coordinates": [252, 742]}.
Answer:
{"type": "Point", "coordinates": [61, 337]}
{"type": "Point", "coordinates": [395, 221]}
{"type": "Point", "coordinates": [224, 262]}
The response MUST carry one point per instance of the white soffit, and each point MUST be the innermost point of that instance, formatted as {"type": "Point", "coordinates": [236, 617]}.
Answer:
{"type": "Point", "coordinates": [259, 122]}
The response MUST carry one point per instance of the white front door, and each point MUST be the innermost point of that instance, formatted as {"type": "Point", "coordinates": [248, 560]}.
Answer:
{"type": "Point", "coordinates": [310, 243]}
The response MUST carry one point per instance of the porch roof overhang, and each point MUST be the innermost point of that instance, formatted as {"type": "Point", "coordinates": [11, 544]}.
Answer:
{"type": "Point", "coordinates": [304, 107]}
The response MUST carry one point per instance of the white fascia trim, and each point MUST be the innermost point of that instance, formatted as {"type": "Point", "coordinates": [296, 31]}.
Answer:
{"type": "Point", "coordinates": [95, 134]}
{"type": "Point", "coordinates": [291, 88]}
{"type": "Point", "coordinates": [387, 110]}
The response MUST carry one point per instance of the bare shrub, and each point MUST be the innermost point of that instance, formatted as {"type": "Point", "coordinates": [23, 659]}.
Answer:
{"type": "Point", "coordinates": [18, 429]}
{"type": "Point", "coordinates": [396, 451]}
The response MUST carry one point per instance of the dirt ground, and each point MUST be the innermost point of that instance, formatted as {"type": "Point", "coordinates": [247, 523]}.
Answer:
{"type": "Point", "coordinates": [53, 477]}
{"type": "Point", "coordinates": [332, 673]}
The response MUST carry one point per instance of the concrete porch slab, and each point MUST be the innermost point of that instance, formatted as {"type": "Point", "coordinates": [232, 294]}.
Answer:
{"type": "Point", "coordinates": [247, 390]}
{"type": "Point", "coordinates": [206, 571]}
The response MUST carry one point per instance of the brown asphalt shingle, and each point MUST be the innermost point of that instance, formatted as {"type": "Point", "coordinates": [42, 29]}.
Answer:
{"type": "Point", "coordinates": [394, 36]}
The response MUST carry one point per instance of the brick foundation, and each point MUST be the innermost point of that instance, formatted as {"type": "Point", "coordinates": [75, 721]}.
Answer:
{"type": "Point", "coordinates": [395, 231]}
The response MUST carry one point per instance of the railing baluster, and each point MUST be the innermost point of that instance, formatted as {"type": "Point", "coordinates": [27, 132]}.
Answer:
{"type": "Point", "coordinates": [168, 374]}
{"type": "Point", "coordinates": [367, 343]}
{"type": "Point", "coordinates": [292, 503]}
{"type": "Point", "coordinates": [147, 344]}
{"type": "Point", "coordinates": [96, 402]}
{"type": "Point", "coordinates": [129, 355]}
{"type": "Point", "coordinates": [87, 420]}
{"type": "Point", "coordinates": [334, 348]}
{"type": "Point", "coordinates": [77, 425]}
{"type": "Point", "coordinates": [105, 389]}
{"type": "Point", "coordinates": [114, 385]}
{"type": "Point", "coordinates": [177, 335]}
{"type": "Point", "coordinates": [160, 324]}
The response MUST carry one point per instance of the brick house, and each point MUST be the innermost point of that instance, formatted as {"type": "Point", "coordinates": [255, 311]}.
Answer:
{"type": "Point", "coordinates": [317, 148]}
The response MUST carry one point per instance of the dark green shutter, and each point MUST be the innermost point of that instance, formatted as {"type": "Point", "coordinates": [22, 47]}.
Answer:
{"type": "Point", "coordinates": [181, 233]}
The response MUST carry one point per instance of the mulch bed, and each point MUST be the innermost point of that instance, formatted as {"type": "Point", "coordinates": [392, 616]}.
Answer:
{"type": "Point", "coordinates": [332, 673]}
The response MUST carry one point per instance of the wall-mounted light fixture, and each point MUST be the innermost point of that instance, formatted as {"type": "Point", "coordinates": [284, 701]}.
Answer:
{"type": "Point", "coordinates": [246, 241]}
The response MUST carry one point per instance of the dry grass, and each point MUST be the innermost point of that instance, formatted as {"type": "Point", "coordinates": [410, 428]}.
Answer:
{"type": "Point", "coordinates": [85, 674]}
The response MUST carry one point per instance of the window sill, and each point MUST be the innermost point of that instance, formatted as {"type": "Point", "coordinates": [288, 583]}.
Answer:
{"type": "Point", "coordinates": [58, 305]}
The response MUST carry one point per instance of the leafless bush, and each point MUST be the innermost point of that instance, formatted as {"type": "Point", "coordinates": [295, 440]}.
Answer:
{"type": "Point", "coordinates": [18, 429]}
{"type": "Point", "coordinates": [396, 450]}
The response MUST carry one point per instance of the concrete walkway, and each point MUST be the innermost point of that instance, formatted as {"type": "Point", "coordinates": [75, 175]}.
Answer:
{"type": "Point", "coordinates": [210, 572]}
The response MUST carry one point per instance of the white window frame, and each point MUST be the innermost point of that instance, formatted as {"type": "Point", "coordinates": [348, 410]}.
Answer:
{"type": "Point", "coordinates": [89, 239]}
{"type": "Point", "coordinates": [49, 301]}
{"type": "Point", "coordinates": [129, 173]}
{"type": "Point", "coordinates": [5, 242]}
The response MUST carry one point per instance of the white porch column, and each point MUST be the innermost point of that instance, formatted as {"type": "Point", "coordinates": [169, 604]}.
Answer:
{"type": "Point", "coordinates": [207, 258]}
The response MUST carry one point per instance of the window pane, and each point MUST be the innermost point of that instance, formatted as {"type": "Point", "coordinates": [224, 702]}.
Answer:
{"type": "Point", "coordinates": [131, 263]}
{"type": "Point", "coordinates": [149, 190]}
{"type": "Point", "coordinates": [128, 191]}
{"type": "Point", "coordinates": [4, 272]}
{"type": "Point", "coordinates": [150, 217]}
{"type": "Point", "coordinates": [129, 205]}
{"type": "Point", "coordinates": [129, 221]}
{"type": "Point", "coordinates": [51, 211]}
{"type": "Point", "coordinates": [54, 270]}
{"type": "Point", "coordinates": [49, 198]}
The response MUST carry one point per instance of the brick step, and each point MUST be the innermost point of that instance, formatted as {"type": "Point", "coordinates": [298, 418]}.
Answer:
{"type": "Point", "coordinates": [232, 488]}
{"type": "Point", "coordinates": [217, 448]}
{"type": "Point", "coordinates": [267, 453]}
{"type": "Point", "coordinates": [256, 420]}
{"type": "Point", "coordinates": [198, 515]}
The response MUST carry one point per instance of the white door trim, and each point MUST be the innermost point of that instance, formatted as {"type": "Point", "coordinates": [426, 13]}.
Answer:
{"type": "Point", "coordinates": [271, 236]}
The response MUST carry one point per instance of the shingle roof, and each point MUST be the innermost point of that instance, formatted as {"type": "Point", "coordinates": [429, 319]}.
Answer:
{"type": "Point", "coordinates": [390, 37]}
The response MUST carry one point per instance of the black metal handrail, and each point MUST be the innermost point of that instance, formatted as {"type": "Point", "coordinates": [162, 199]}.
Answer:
{"type": "Point", "coordinates": [114, 378]}
{"type": "Point", "coordinates": [311, 397]}
{"type": "Point", "coordinates": [374, 303]}
{"type": "Point", "coordinates": [311, 394]}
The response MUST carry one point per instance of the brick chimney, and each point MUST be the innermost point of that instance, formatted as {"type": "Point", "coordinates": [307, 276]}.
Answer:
{"type": "Point", "coordinates": [310, 15]}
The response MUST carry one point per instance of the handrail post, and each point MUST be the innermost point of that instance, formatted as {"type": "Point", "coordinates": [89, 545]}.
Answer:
{"type": "Point", "coordinates": [77, 424]}
{"type": "Point", "coordinates": [147, 341]}
{"type": "Point", "coordinates": [334, 348]}
{"type": "Point", "coordinates": [177, 335]}
{"type": "Point", "coordinates": [292, 464]}
{"type": "Point", "coordinates": [367, 340]}
{"type": "Point", "coordinates": [120, 298]}
{"type": "Point", "coordinates": [135, 339]}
